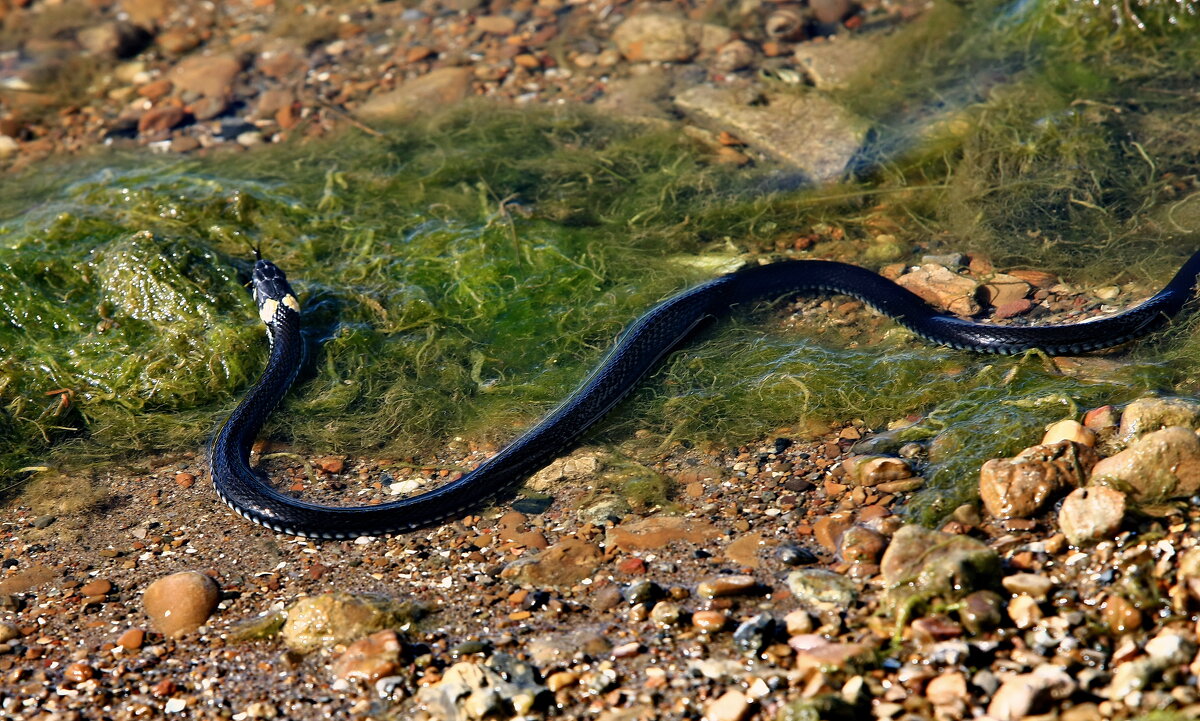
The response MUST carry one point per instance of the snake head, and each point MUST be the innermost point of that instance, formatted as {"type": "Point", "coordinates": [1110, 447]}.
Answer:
{"type": "Point", "coordinates": [272, 292]}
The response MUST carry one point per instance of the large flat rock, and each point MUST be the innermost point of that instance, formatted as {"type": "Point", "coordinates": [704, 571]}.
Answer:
{"type": "Point", "coordinates": [809, 131]}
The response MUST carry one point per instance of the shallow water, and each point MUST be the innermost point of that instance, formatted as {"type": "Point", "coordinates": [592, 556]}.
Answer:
{"type": "Point", "coordinates": [460, 277]}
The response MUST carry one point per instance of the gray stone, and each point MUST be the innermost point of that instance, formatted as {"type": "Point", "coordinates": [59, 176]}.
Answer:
{"type": "Point", "coordinates": [1091, 514]}
{"type": "Point", "coordinates": [438, 89]}
{"type": "Point", "coordinates": [833, 63]}
{"type": "Point", "coordinates": [1151, 414]}
{"type": "Point", "coordinates": [501, 687]}
{"type": "Point", "coordinates": [822, 593]}
{"type": "Point", "coordinates": [332, 618]}
{"type": "Point", "coordinates": [808, 131]}
{"type": "Point", "coordinates": [921, 565]}
{"type": "Point", "coordinates": [1160, 465]}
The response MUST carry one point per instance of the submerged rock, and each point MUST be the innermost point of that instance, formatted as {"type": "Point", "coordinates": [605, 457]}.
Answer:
{"type": "Point", "coordinates": [941, 287]}
{"type": "Point", "coordinates": [808, 131]}
{"type": "Point", "coordinates": [1028, 693]}
{"type": "Point", "coordinates": [1160, 465]}
{"type": "Point", "coordinates": [566, 562]}
{"type": "Point", "coordinates": [823, 593]}
{"type": "Point", "coordinates": [370, 658]}
{"type": "Point", "coordinates": [333, 618]}
{"type": "Point", "coordinates": [921, 565]}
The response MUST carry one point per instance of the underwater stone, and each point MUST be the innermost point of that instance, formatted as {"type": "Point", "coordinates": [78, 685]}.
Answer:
{"type": "Point", "coordinates": [753, 635]}
{"type": "Point", "coordinates": [810, 132]}
{"type": "Point", "coordinates": [943, 288]}
{"type": "Point", "coordinates": [834, 63]}
{"type": "Point", "coordinates": [438, 89]}
{"type": "Point", "coordinates": [180, 603]}
{"type": "Point", "coordinates": [822, 592]}
{"type": "Point", "coordinates": [566, 562]}
{"type": "Point", "coordinates": [370, 658]}
{"type": "Point", "coordinates": [333, 618]}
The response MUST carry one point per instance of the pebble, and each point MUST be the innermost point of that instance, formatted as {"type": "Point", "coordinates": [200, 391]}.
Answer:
{"type": "Point", "coordinates": [822, 592]}
{"type": "Point", "coordinates": [709, 621]}
{"type": "Point", "coordinates": [1020, 486]}
{"type": "Point", "coordinates": [654, 36]}
{"type": "Point", "coordinates": [726, 586]}
{"type": "Point", "coordinates": [732, 705]}
{"type": "Point", "coordinates": [563, 564]}
{"type": "Point", "coordinates": [332, 618]}
{"type": "Point", "coordinates": [798, 622]}
{"type": "Point", "coordinates": [935, 565]}
{"type": "Point", "coordinates": [1069, 430]}
{"type": "Point", "coordinates": [371, 658]}
{"type": "Point", "coordinates": [180, 603]}
{"type": "Point", "coordinates": [132, 639]}
{"type": "Point", "coordinates": [1145, 415]}
{"type": "Point", "coordinates": [754, 634]}
{"type": "Point", "coordinates": [1027, 693]}
{"type": "Point", "coordinates": [78, 672]}
{"type": "Point", "coordinates": [560, 680]}
{"type": "Point", "coordinates": [1120, 615]}
{"type": "Point", "coordinates": [99, 587]}
{"type": "Point", "coordinates": [1157, 466]}
{"type": "Point", "coordinates": [942, 288]}
{"type": "Point", "coordinates": [1024, 611]}
{"type": "Point", "coordinates": [8, 632]}
{"type": "Point", "coordinates": [795, 556]}
{"type": "Point", "coordinates": [641, 591]}
{"type": "Point", "coordinates": [1034, 585]}
{"type": "Point", "coordinates": [860, 544]}
{"type": "Point", "coordinates": [1091, 514]}
{"type": "Point", "coordinates": [947, 689]}
{"type": "Point", "coordinates": [43, 521]}
{"type": "Point", "coordinates": [666, 613]}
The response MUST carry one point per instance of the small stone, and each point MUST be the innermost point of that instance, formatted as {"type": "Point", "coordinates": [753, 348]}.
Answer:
{"type": "Point", "coordinates": [496, 24]}
{"type": "Point", "coordinates": [113, 39]}
{"type": "Point", "coordinates": [1103, 418]}
{"type": "Point", "coordinates": [78, 672]}
{"type": "Point", "coordinates": [185, 480]}
{"type": "Point", "coordinates": [331, 464]}
{"type": "Point", "coordinates": [641, 591]}
{"type": "Point", "coordinates": [211, 75]}
{"type": "Point", "coordinates": [1013, 309]}
{"type": "Point", "coordinates": [726, 586]}
{"type": "Point", "coordinates": [1035, 585]}
{"type": "Point", "coordinates": [862, 545]}
{"type": "Point", "coordinates": [8, 632]}
{"type": "Point", "coordinates": [1024, 611]}
{"type": "Point", "coordinates": [654, 36]}
{"type": "Point", "coordinates": [929, 630]}
{"type": "Point", "coordinates": [1069, 430]}
{"type": "Point", "coordinates": [798, 622]}
{"type": "Point", "coordinates": [1146, 415]}
{"type": "Point", "coordinates": [1019, 487]}
{"type": "Point", "coordinates": [709, 621]}
{"type": "Point", "coordinates": [181, 602]}
{"type": "Point", "coordinates": [437, 89]}
{"type": "Point", "coordinates": [730, 706]}
{"type": "Point", "coordinates": [666, 613]}
{"type": "Point", "coordinates": [332, 618]}
{"type": "Point", "coordinates": [371, 658]}
{"type": "Point", "coordinates": [177, 41]}
{"type": "Point", "coordinates": [43, 521]}
{"type": "Point", "coordinates": [832, 12]}
{"type": "Point", "coordinates": [981, 611]}
{"type": "Point", "coordinates": [873, 470]}
{"type": "Point", "coordinates": [1159, 465]}
{"type": "Point", "coordinates": [8, 147]}
{"type": "Point", "coordinates": [99, 587]}
{"type": "Point", "coordinates": [1091, 514]}
{"type": "Point", "coordinates": [563, 564]}
{"type": "Point", "coordinates": [928, 565]}
{"type": "Point", "coordinates": [561, 680]}
{"type": "Point", "coordinates": [822, 592]}
{"type": "Point", "coordinates": [161, 118]}
{"type": "Point", "coordinates": [1001, 289]}
{"type": "Point", "coordinates": [1028, 693]}
{"type": "Point", "coordinates": [1120, 615]}
{"type": "Point", "coordinates": [943, 288]}
{"type": "Point", "coordinates": [733, 56]}
{"type": "Point", "coordinates": [795, 556]}
{"type": "Point", "coordinates": [947, 689]}
{"type": "Point", "coordinates": [132, 639]}
{"type": "Point", "coordinates": [753, 635]}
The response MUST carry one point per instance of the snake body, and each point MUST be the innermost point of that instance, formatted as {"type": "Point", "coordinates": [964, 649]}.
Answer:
{"type": "Point", "coordinates": [639, 349]}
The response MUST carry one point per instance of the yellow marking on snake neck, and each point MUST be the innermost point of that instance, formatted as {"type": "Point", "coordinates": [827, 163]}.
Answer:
{"type": "Point", "coordinates": [290, 301]}
{"type": "Point", "coordinates": [267, 310]}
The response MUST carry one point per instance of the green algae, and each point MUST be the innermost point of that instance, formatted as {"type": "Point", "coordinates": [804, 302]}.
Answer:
{"type": "Point", "coordinates": [462, 275]}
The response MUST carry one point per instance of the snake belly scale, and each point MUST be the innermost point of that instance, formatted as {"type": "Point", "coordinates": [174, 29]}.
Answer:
{"type": "Point", "coordinates": [640, 347]}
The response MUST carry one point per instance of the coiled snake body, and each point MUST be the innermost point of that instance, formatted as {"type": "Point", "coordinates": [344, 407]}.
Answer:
{"type": "Point", "coordinates": [639, 348]}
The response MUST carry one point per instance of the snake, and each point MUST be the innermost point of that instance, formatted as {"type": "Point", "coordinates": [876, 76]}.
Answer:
{"type": "Point", "coordinates": [636, 351]}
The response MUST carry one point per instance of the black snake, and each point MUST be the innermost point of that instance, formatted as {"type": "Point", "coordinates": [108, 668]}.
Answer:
{"type": "Point", "coordinates": [638, 349]}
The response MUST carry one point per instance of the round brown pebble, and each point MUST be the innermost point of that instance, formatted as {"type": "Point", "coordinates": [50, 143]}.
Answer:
{"type": "Point", "coordinates": [78, 672]}
{"type": "Point", "coordinates": [99, 587]}
{"type": "Point", "coordinates": [726, 586]}
{"type": "Point", "coordinates": [1120, 615]}
{"type": "Point", "coordinates": [185, 480]}
{"type": "Point", "coordinates": [132, 639]}
{"type": "Point", "coordinates": [709, 621]}
{"type": "Point", "coordinates": [181, 602]}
